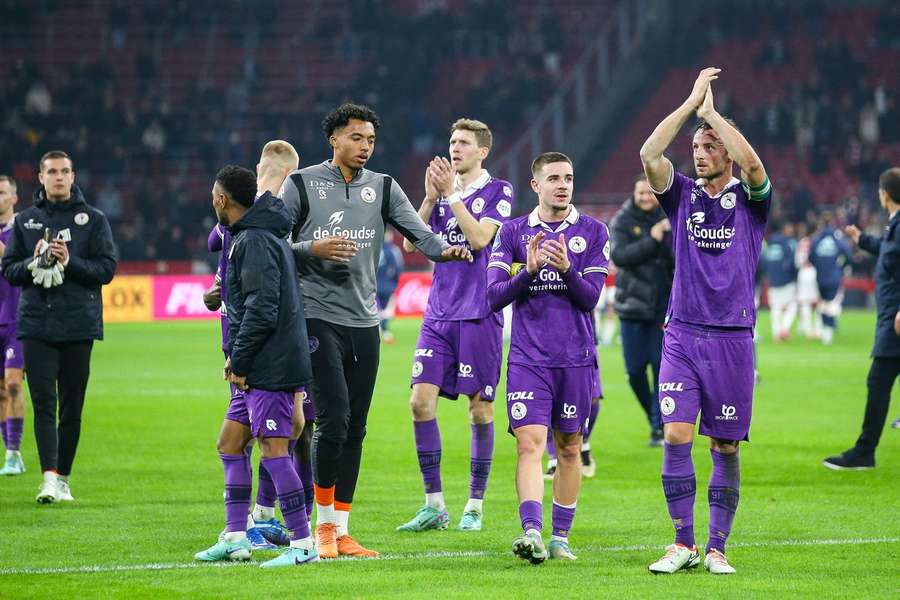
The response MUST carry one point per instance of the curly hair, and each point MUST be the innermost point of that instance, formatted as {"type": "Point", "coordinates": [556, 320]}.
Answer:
{"type": "Point", "coordinates": [239, 183]}
{"type": "Point", "coordinates": [341, 116]}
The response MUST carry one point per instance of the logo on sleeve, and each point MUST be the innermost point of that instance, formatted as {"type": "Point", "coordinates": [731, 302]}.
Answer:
{"type": "Point", "coordinates": [577, 244]}
{"type": "Point", "coordinates": [667, 405]}
{"type": "Point", "coordinates": [728, 200]}
{"type": "Point", "coordinates": [368, 195]}
{"type": "Point", "coordinates": [477, 205]}
{"type": "Point", "coordinates": [606, 250]}
{"type": "Point", "coordinates": [504, 207]}
{"type": "Point", "coordinates": [82, 218]}
{"type": "Point", "coordinates": [507, 191]}
{"type": "Point", "coordinates": [496, 245]}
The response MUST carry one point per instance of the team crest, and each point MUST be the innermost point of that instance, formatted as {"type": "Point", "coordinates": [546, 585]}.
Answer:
{"type": "Point", "coordinates": [504, 208]}
{"type": "Point", "coordinates": [82, 218]}
{"type": "Point", "coordinates": [518, 411]}
{"type": "Point", "coordinates": [313, 344]}
{"type": "Point", "coordinates": [728, 200]}
{"type": "Point", "coordinates": [417, 368]}
{"type": "Point", "coordinates": [577, 244]}
{"type": "Point", "coordinates": [667, 405]}
{"type": "Point", "coordinates": [477, 205]}
{"type": "Point", "coordinates": [368, 195]}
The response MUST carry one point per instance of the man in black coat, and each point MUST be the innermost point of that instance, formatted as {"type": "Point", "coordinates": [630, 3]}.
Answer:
{"type": "Point", "coordinates": [60, 310]}
{"type": "Point", "coordinates": [642, 252]}
{"type": "Point", "coordinates": [886, 351]}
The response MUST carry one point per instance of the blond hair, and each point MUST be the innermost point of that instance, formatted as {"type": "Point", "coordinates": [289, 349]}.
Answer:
{"type": "Point", "coordinates": [278, 154]}
{"type": "Point", "coordinates": [482, 132]}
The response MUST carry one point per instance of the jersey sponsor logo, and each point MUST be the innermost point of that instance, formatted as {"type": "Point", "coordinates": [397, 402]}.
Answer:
{"type": "Point", "coordinates": [321, 183]}
{"type": "Point", "coordinates": [452, 235]}
{"type": "Point", "coordinates": [417, 368]}
{"type": "Point", "coordinates": [465, 370]}
{"type": "Point", "coordinates": [826, 247]}
{"type": "Point", "coordinates": [513, 396]}
{"type": "Point", "coordinates": [336, 218]}
{"type": "Point", "coordinates": [334, 229]}
{"type": "Point", "coordinates": [271, 425]}
{"type": "Point", "coordinates": [710, 238]}
{"type": "Point", "coordinates": [323, 193]}
{"type": "Point", "coordinates": [548, 275]}
{"type": "Point", "coordinates": [728, 413]}
{"type": "Point", "coordinates": [504, 207]}
{"type": "Point", "coordinates": [451, 223]}
{"type": "Point", "coordinates": [728, 200]}
{"type": "Point", "coordinates": [569, 411]}
{"type": "Point", "coordinates": [82, 218]}
{"type": "Point", "coordinates": [518, 411]}
{"type": "Point", "coordinates": [667, 405]}
{"type": "Point", "coordinates": [670, 386]}
{"type": "Point", "coordinates": [477, 205]}
{"type": "Point", "coordinates": [313, 344]}
{"type": "Point", "coordinates": [368, 195]}
{"type": "Point", "coordinates": [577, 244]}
{"type": "Point", "coordinates": [32, 224]}
{"type": "Point", "coordinates": [424, 352]}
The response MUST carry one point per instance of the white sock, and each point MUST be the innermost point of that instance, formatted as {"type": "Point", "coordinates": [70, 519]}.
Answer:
{"type": "Point", "coordinates": [235, 536]}
{"type": "Point", "coordinates": [559, 538]}
{"type": "Point", "coordinates": [50, 477]}
{"type": "Point", "coordinates": [324, 513]}
{"type": "Point", "coordinates": [585, 446]}
{"type": "Point", "coordinates": [561, 505]}
{"type": "Point", "coordinates": [533, 531]}
{"type": "Point", "coordinates": [551, 463]}
{"type": "Point", "coordinates": [263, 513]}
{"type": "Point", "coordinates": [304, 544]}
{"type": "Point", "coordinates": [474, 504]}
{"type": "Point", "coordinates": [341, 519]}
{"type": "Point", "coordinates": [435, 500]}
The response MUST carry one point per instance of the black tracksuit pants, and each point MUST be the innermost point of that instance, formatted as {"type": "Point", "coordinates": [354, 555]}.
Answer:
{"type": "Point", "coordinates": [880, 382]}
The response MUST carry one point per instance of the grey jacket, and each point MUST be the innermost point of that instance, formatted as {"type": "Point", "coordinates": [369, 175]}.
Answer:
{"type": "Point", "coordinates": [321, 203]}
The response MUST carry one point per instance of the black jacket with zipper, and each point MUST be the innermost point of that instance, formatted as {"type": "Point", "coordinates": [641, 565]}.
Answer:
{"type": "Point", "coordinates": [645, 267]}
{"type": "Point", "coordinates": [72, 311]}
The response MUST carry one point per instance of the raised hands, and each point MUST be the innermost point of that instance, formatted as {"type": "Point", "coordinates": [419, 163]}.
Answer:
{"type": "Point", "coordinates": [533, 258]}
{"type": "Point", "coordinates": [556, 255]}
{"type": "Point", "coordinates": [698, 94]}
{"type": "Point", "coordinates": [442, 175]}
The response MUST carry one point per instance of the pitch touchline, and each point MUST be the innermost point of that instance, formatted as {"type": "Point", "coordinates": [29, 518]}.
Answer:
{"type": "Point", "coordinates": [416, 556]}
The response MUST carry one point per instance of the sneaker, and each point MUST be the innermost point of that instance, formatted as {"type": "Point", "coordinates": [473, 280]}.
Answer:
{"type": "Point", "coordinates": [550, 472]}
{"type": "Point", "coordinates": [273, 531]}
{"type": "Point", "coordinates": [656, 439]}
{"type": "Point", "coordinates": [387, 337]}
{"type": "Point", "coordinates": [850, 460]}
{"type": "Point", "coordinates": [258, 541]}
{"type": "Point", "coordinates": [529, 546]}
{"type": "Point", "coordinates": [14, 464]}
{"type": "Point", "coordinates": [470, 521]}
{"type": "Point", "coordinates": [48, 492]}
{"type": "Point", "coordinates": [347, 546]}
{"type": "Point", "coordinates": [63, 491]}
{"type": "Point", "coordinates": [588, 466]}
{"type": "Point", "coordinates": [894, 425]}
{"type": "Point", "coordinates": [717, 564]}
{"type": "Point", "coordinates": [326, 540]}
{"type": "Point", "coordinates": [225, 550]}
{"type": "Point", "coordinates": [292, 557]}
{"type": "Point", "coordinates": [677, 557]}
{"type": "Point", "coordinates": [560, 549]}
{"type": "Point", "coordinates": [427, 518]}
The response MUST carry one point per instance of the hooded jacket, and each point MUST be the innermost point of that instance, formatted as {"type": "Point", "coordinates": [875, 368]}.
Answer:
{"type": "Point", "coordinates": [73, 310]}
{"type": "Point", "coordinates": [645, 267]}
{"type": "Point", "coordinates": [267, 339]}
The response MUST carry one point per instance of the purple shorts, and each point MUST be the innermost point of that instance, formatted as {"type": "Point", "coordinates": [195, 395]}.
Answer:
{"type": "Point", "coordinates": [558, 398]}
{"type": "Point", "coordinates": [271, 413]}
{"type": "Point", "coordinates": [710, 371]}
{"type": "Point", "coordinates": [596, 388]}
{"type": "Point", "coordinates": [13, 356]}
{"type": "Point", "coordinates": [237, 407]}
{"type": "Point", "coordinates": [309, 411]}
{"type": "Point", "coordinates": [460, 357]}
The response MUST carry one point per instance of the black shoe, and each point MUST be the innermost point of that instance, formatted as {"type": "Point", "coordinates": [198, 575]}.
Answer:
{"type": "Point", "coordinates": [550, 472]}
{"type": "Point", "coordinates": [656, 438]}
{"type": "Point", "coordinates": [850, 460]}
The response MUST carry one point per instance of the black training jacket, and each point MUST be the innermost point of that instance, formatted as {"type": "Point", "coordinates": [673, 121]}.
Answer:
{"type": "Point", "coordinates": [887, 286]}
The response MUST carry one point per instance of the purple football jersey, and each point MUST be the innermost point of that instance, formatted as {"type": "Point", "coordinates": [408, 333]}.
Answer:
{"type": "Point", "coordinates": [220, 241]}
{"type": "Point", "coordinates": [458, 290]}
{"type": "Point", "coordinates": [548, 330]}
{"type": "Point", "coordinates": [9, 294]}
{"type": "Point", "coordinates": [717, 241]}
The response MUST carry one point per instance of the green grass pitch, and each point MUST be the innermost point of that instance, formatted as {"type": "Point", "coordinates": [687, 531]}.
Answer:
{"type": "Point", "coordinates": [148, 485]}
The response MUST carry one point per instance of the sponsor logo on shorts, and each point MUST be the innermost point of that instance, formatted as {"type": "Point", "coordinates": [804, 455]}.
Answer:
{"type": "Point", "coordinates": [313, 344]}
{"type": "Point", "coordinates": [271, 425]}
{"type": "Point", "coordinates": [518, 411]}
{"type": "Point", "coordinates": [671, 387]}
{"type": "Point", "coordinates": [667, 405]}
{"type": "Point", "coordinates": [513, 396]}
{"type": "Point", "coordinates": [426, 352]}
{"type": "Point", "coordinates": [417, 368]}
{"type": "Point", "coordinates": [10, 353]}
{"type": "Point", "coordinates": [368, 195]}
{"type": "Point", "coordinates": [570, 411]}
{"type": "Point", "coordinates": [489, 391]}
{"type": "Point", "coordinates": [465, 370]}
{"type": "Point", "coordinates": [477, 205]}
{"type": "Point", "coordinates": [728, 413]}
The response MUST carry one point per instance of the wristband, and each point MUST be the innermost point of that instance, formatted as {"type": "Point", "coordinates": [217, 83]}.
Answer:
{"type": "Point", "coordinates": [454, 198]}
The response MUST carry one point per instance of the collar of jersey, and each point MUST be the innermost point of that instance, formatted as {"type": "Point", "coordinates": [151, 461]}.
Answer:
{"type": "Point", "coordinates": [534, 220]}
{"type": "Point", "coordinates": [731, 183]}
{"type": "Point", "coordinates": [473, 187]}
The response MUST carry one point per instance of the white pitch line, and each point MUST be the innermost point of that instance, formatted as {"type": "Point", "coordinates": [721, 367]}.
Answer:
{"type": "Point", "coordinates": [417, 556]}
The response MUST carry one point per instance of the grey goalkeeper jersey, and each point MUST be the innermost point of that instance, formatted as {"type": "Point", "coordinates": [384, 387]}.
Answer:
{"type": "Point", "coordinates": [322, 204]}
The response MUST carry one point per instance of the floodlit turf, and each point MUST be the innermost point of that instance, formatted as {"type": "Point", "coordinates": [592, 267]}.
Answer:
{"type": "Point", "coordinates": [148, 485]}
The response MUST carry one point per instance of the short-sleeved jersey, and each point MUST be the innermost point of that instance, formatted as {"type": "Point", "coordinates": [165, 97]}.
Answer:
{"type": "Point", "coordinates": [717, 242]}
{"type": "Point", "coordinates": [459, 289]}
{"type": "Point", "coordinates": [548, 330]}
{"type": "Point", "coordinates": [9, 294]}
